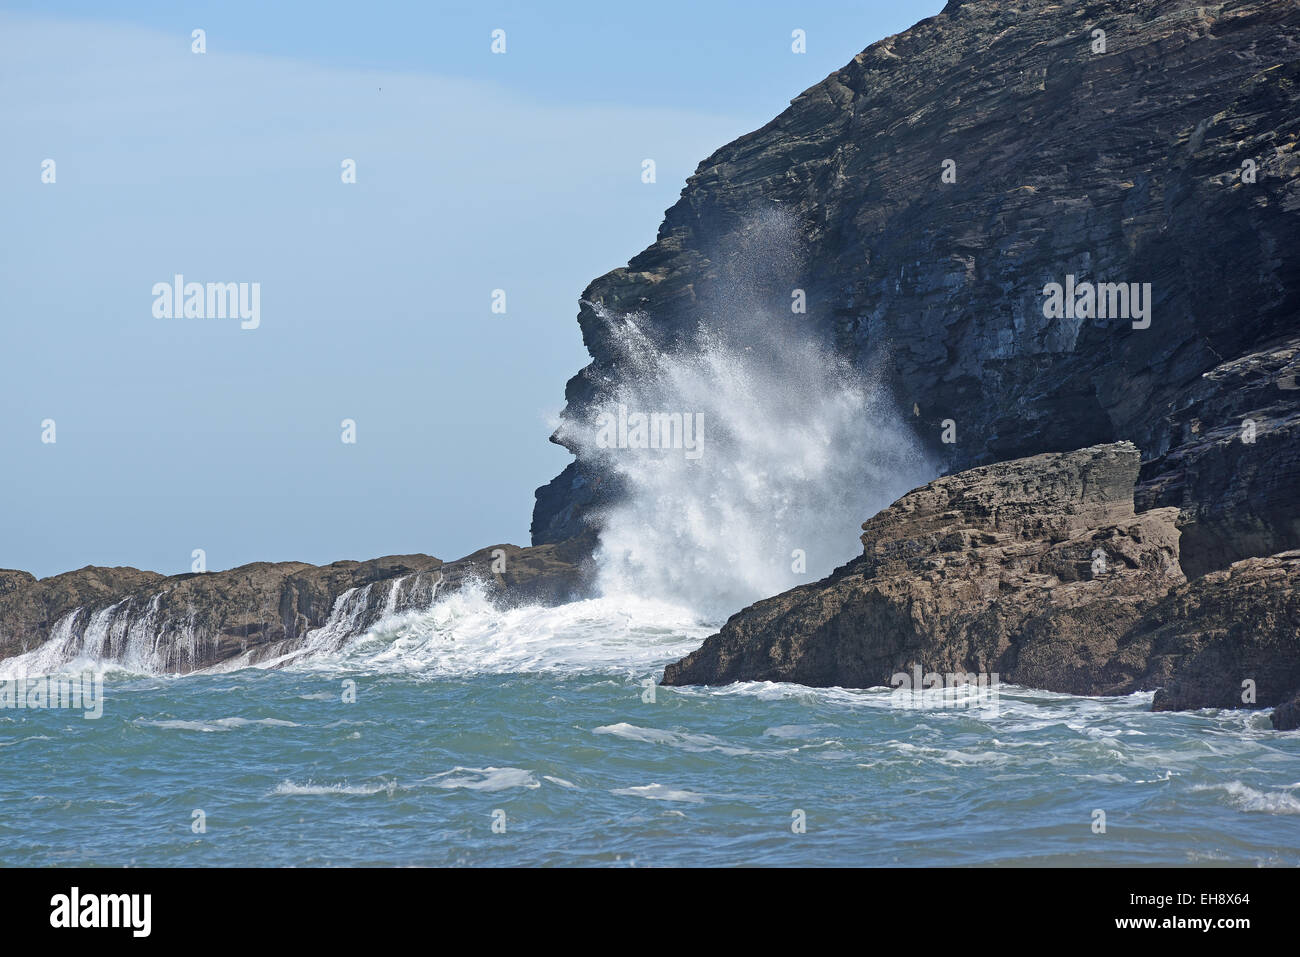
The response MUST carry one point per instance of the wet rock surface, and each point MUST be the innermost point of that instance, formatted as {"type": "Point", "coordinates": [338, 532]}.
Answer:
{"type": "Point", "coordinates": [1038, 570]}
{"type": "Point", "coordinates": [260, 611]}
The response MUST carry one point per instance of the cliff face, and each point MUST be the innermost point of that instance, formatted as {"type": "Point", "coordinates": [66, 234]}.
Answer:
{"type": "Point", "coordinates": [1115, 166]}
{"type": "Point", "coordinates": [1040, 571]}
{"type": "Point", "coordinates": [256, 612]}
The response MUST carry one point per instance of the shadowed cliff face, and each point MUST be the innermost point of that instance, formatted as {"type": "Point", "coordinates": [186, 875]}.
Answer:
{"type": "Point", "coordinates": [1122, 165]}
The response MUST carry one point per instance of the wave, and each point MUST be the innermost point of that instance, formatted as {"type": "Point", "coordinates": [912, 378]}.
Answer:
{"type": "Point", "coordinates": [219, 724]}
{"type": "Point", "coordinates": [1245, 798]}
{"type": "Point", "coordinates": [466, 633]}
{"type": "Point", "coordinates": [697, 743]}
{"type": "Point", "coordinates": [290, 789]}
{"type": "Point", "coordinates": [458, 778]}
{"type": "Point", "coordinates": [791, 450]}
{"type": "Point", "coordinates": [661, 792]}
{"type": "Point", "coordinates": [486, 779]}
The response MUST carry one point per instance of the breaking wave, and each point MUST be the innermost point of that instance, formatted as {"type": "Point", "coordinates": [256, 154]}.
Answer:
{"type": "Point", "coordinates": [790, 450]}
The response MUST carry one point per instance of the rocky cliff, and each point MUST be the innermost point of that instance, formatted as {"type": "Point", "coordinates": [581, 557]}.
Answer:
{"type": "Point", "coordinates": [926, 194]}
{"type": "Point", "coordinates": [1038, 570]}
{"type": "Point", "coordinates": [256, 612]}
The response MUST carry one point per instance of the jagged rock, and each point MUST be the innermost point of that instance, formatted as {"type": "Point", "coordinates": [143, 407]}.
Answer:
{"type": "Point", "coordinates": [545, 574]}
{"type": "Point", "coordinates": [1207, 639]}
{"type": "Point", "coordinates": [994, 570]}
{"type": "Point", "coordinates": [11, 580]}
{"type": "Point", "coordinates": [1032, 569]}
{"type": "Point", "coordinates": [1234, 459]}
{"type": "Point", "coordinates": [1124, 166]}
{"type": "Point", "coordinates": [1286, 716]}
{"type": "Point", "coordinates": [261, 611]}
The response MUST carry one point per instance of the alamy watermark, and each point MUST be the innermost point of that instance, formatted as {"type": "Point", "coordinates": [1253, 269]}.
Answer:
{"type": "Point", "coordinates": [1103, 300]}
{"type": "Point", "coordinates": [954, 689]}
{"type": "Point", "coordinates": [652, 430]}
{"type": "Point", "coordinates": [75, 909]}
{"type": "Point", "coordinates": [179, 299]}
{"type": "Point", "coordinates": [83, 692]}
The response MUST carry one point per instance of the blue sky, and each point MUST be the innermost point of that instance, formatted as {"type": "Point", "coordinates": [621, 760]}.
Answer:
{"type": "Point", "coordinates": [475, 172]}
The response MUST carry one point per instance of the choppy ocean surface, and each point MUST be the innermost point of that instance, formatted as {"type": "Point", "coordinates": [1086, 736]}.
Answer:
{"type": "Point", "coordinates": [536, 721]}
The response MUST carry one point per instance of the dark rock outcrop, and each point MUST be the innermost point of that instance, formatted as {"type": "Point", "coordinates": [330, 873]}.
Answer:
{"type": "Point", "coordinates": [1038, 570]}
{"type": "Point", "coordinates": [1233, 461]}
{"type": "Point", "coordinates": [1286, 716]}
{"type": "Point", "coordinates": [1117, 166]}
{"type": "Point", "coordinates": [1230, 639]}
{"type": "Point", "coordinates": [261, 611]}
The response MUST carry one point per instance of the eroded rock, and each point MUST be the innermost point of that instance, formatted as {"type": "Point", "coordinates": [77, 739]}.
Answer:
{"type": "Point", "coordinates": [1033, 569]}
{"type": "Point", "coordinates": [1038, 570]}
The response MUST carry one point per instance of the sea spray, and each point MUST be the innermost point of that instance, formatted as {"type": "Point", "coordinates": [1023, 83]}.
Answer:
{"type": "Point", "coordinates": [466, 632]}
{"type": "Point", "coordinates": [793, 450]}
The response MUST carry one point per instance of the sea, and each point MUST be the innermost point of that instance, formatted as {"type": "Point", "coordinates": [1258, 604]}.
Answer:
{"type": "Point", "coordinates": [469, 734]}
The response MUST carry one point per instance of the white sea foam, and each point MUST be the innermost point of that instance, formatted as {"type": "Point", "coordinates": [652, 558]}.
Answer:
{"type": "Point", "coordinates": [661, 792]}
{"type": "Point", "coordinates": [1245, 798]}
{"type": "Point", "coordinates": [485, 779]}
{"type": "Point", "coordinates": [289, 788]}
{"type": "Point", "coordinates": [698, 743]}
{"type": "Point", "coordinates": [219, 724]}
{"type": "Point", "coordinates": [794, 731]}
{"type": "Point", "coordinates": [466, 633]}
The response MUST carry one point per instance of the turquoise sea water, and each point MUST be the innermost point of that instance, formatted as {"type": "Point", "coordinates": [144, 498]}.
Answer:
{"type": "Point", "coordinates": [537, 720]}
